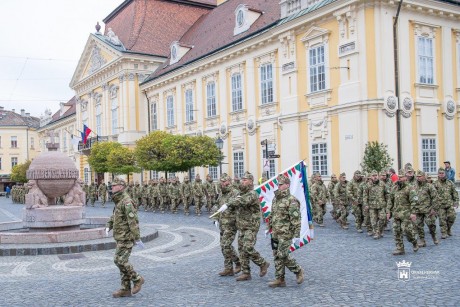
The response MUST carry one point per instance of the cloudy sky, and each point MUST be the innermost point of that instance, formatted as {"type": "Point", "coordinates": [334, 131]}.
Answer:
{"type": "Point", "coordinates": [41, 43]}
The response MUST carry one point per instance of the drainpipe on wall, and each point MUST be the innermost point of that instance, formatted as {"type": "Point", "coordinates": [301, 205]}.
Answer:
{"type": "Point", "coordinates": [397, 90]}
{"type": "Point", "coordinates": [148, 126]}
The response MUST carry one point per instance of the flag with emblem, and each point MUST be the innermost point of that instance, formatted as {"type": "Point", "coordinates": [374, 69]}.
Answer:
{"type": "Point", "coordinates": [298, 188]}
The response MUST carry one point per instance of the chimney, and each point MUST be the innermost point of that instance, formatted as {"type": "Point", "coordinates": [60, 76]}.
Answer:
{"type": "Point", "coordinates": [28, 114]}
{"type": "Point", "coordinates": [13, 110]}
{"type": "Point", "coordinates": [23, 112]}
{"type": "Point", "coordinates": [2, 108]}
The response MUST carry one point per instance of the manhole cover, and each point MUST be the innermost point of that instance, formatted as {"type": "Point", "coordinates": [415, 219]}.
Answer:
{"type": "Point", "coordinates": [71, 256]}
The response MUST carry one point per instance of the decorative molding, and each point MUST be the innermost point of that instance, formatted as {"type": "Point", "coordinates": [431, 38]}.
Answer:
{"type": "Point", "coordinates": [390, 104]}
{"type": "Point", "coordinates": [450, 109]}
{"type": "Point", "coordinates": [318, 127]}
{"type": "Point", "coordinates": [407, 104]}
{"type": "Point", "coordinates": [269, 57]}
{"type": "Point", "coordinates": [424, 29]}
{"type": "Point", "coordinates": [105, 86]}
{"type": "Point", "coordinates": [268, 109]}
{"type": "Point", "coordinates": [97, 60]}
{"type": "Point", "coordinates": [212, 121]}
{"type": "Point", "coordinates": [223, 130]}
{"type": "Point", "coordinates": [251, 125]}
{"type": "Point", "coordinates": [237, 116]}
{"type": "Point", "coordinates": [131, 76]}
{"type": "Point", "coordinates": [315, 36]}
{"type": "Point", "coordinates": [113, 90]}
{"type": "Point", "coordinates": [319, 98]}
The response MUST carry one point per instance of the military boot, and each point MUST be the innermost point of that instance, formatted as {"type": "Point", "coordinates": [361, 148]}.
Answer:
{"type": "Point", "coordinates": [369, 233]}
{"type": "Point", "coordinates": [299, 277]}
{"type": "Point", "coordinates": [237, 268]}
{"type": "Point", "coordinates": [449, 231]}
{"type": "Point", "coordinates": [264, 269]}
{"type": "Point", "coordinates": [360, 230]}
{"type": "Point", "coordinates": [227, 272]}
{"type": "Point", "coordinates": [398, 252]}
{"type": "Point", "coordinates": [121, 293]}
{"type": "Point", "coordinates": [244, 276]}
{"type": "Point", "coordinates": [443, 236]}
{"type": "Point", "coordinates": [376, 235]}
{"type": "Point", "coordinates": [138, 285]}
{"type": "Point", "coordinates": [279, 282]}
{"type": "Point", "coordinates": [421, 243]}
{"type": "Point", "coordinates": [435, 240]}
{"type": "Point", "coordinates": [415, 246]}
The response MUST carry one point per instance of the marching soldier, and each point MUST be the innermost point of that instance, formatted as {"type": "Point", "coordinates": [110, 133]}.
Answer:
{"type": "Point", "coordinates": [375, 200]}
{"type": "Point", "coordinates": [198, 194]}
{"type": "Point", "coordinates": [163, 191]}
{"type": "Point", "coordinates": [425, 209]}
{"type": "Point", "coordinates": [211, 193]}
{"type": "Point", "coordinates": [186, 194]}
{"type": "Point", "coordinates": [103, 193]}
{"type": "Point", "coordinates": [92, 193]}
{"type": "Point", "coordinates": [174, 194]}
{"type": "Point", "coordinates": [356, 199]}
{"type": "Point", "coordinates": [320, 197]}
{"type": "Point", "coordinates": [340, 193]}
{"type": "Point", "coordinates": [330, 189]}
{"type": "Point", "coordinates": [447, 200]}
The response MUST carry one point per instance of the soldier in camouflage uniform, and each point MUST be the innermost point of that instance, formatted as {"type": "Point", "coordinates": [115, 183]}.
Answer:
{"type": "Point", "coordinates": [401, 205]}
{"type": "Point", "coordinates": [174, 194]}
{"type": "Point", "coordinates": [198, 194]}
{"type": "Point", "coordinates": [103, 193]}
{"type": "Point", "coordinates": [137, 192]}
{"type": "Point", "coordinates": [375, 200]}
{"type": "Point", "coordinates": [363, 190]}
{"type": "Point", "coordinates": [145, 196]}
{"type": "Point", "coordinates": [248, 224]}
{"type": "Point", "coordinates": [86, 190]}
{"type": "Point", "coordinates": [163, 191]}
{"type": "Point", "coordinates": [186, 194]}
{"type": "Point", "coordinates": [125, 225]}
{"type": "Point", "coordinates": [211, 192]}
{"type": "Point", "coordinates": [92, 193]}
{"type": "Point", "coordinates": [330, 189]}
{"type": "Point", "coordinates": [155, 195]}
{"type": "Point", "coordinates": [312, 203]}
{"type": "Point", "coordinates": [130, 190]}
{"type": "Point", "coordinates": [285, 221]}
{"type": "Point", "coordinates": [320, 197]}
{"type": "Point", "coordinates": [340, 194]}
{"type": "Point", "coordinates": [227, 227]}
{"type": "Point", "coordinates": [447, 200]}
{"type": "Point", "coordinates": [356, 199]}
{"type": "Point", "coordinates": [236, 183]}
{"type": "Point", "coordinates": [425, 209]}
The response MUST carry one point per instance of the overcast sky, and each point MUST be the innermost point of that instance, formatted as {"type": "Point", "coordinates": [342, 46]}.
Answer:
{"type": "Point", "coordinates": [40, 44]}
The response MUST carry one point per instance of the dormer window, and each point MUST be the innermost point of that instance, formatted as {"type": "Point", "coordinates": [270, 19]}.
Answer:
{"type": "Point", "coordinates": [178, 50]}
{"type": "Point", "coordinates": [244, 18]}
{"type": "Point", "coordinates": [174, 53]}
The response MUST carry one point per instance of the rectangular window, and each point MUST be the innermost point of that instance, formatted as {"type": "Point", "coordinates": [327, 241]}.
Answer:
{"type": "Point", "coordinates": [266, 83]}
{"type": "Point", "coordinates": [171, 175]}
{"type": "Point", "coordinates": [188, 106]}
{"type": "Point", "coordinates": [425, 60]}
{"type": "Point", "coordinates": [154, 175]}
{"type": "Point", "coordinates": [64, 140]}
{"type": "Point", "coordinates": [0, 163]}
{"type": "Point", "coordinates": [32, 143]}
{"type": "Point", "coordinates": [429, 155]}
{"type": "Point", "coordinates": [98, 120]}
{"type": "Point", "coordinates": [86, 175]}
{"type": "Point", "coordinates": [213, 172]}
{"type": "Point", "coordinates": [211, 99]}
{"type": "Point", "coordinates": [14, 161]}
{"type": "Point", "coordinates": [237, 95]}
{"type": "Point", "coordinates": [192, 174]}
{"type": "Point", "coordinates": [170, 110]}
{"type": "Point", "coordinates": [114, 111]}
{"type": "Point", "coordinates": [154, 116]}
{"type": "Point", "coordinates": [238, 163]}
{"type": "Point", "coordinates": [317, 69]}
{"type": "Point", "coordinates": [14, 142]}
{"type": "Point", "coordinates": [271, 162]}
{"type": "Point", "coordinates": [319, 158]}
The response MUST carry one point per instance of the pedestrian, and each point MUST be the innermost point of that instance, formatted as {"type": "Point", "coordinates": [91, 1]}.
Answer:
{"type": "Point", "coordinates": [447, 200]}
{"type": "Point", "coordinates": [125, 224]}
{"type": "Point", "coordinates": [393, 175]}
{"type": "Point", "coordinates": [284, 222]}
{"type": "Point", "coordinates": [450, 172]}
{"type": "Point", "coordinates": [8, 191]}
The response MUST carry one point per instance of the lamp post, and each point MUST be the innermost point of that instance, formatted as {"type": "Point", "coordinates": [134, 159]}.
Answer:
{"type": "Point", "coordinates": [220, 145]}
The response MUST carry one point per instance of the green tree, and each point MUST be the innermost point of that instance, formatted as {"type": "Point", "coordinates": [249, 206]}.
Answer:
{"type": "Point", "coordinates": [18, 173]}
{"type": "Point", "coordinates": [100, 152]}
{"type": "Point", "coordinates": [150, 150]}
{"type": "Point", "coordinates": [376, 157]}
{"type": "Point", "coordinates": [122, 161]}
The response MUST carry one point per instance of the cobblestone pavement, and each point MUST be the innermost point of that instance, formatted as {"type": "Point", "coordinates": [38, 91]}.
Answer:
{"type": "Point", "coordinates": [180, 267]}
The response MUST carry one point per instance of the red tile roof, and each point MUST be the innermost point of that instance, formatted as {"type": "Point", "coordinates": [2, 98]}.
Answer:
{"type": "Point", "coordinates": [214, 30]}
{"type": "Point", "coordinates": [10, 118]}
{"type": "Point", "coordinates": [70, 111]}
{"type": "Point", "coordinates": [149, 26]}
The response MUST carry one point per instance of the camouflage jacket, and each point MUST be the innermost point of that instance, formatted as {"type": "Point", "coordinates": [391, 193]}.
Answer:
{"type": "Point", "coordinates": [163, 189]}
{"type": "Point", "coordinates": [129, 190]}
{"type": "Point", "coordinates": [447, 194]}
{"type": "Point", "coordinates": [352, 191]}
{"type": "Point", "coordinates": [154, 191]}
{"type": "Point", "coordinates": [363, 190]}
{"type": "Point", "coordinates": [319, 193]}
{"type": "Point", "coordinates": [102, 189]}
{"type": "Point", "coordinates": [124, 220]}
{"type": "Point", "coordinates": [426, 198]}
{"type": "Point", "coordinates": [174, 190]}
{"type": "Point", "coordinates": [92, 191]}
{"type": "Point", "coordinates": [402, 201]}
{"type": "Point", "coordinates": [330, 189]}
{"type": "Point", "coordinates": [210, 189]}
{"type": "Point", "coordinates": [186, 189]}
{"type": "Point", "coordinates": [375, 196]}
{"type": "Point", "coordinates": [248, 210]}
{"type": "Point", "coordinates": [228, 217]}
{"type": "Point", "coordinates": [340, 193]}
{"type": "Point", "coordinates": [197, 188]}
{"type": "Point", "coordinates": [285, 219]}
{"type": "Point", "coordinates": [138, 191]}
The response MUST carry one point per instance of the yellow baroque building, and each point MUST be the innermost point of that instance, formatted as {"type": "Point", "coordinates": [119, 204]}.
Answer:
{"type": "Point", "coordinates": [316, 79]}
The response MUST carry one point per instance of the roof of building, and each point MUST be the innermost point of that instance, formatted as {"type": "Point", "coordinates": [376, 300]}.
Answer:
{"type": "Point", "coordinates": [11, 118]}
{"type": "Point", "coordinates": [71, 107]}
{"type": "Point", "coordinates": [149, 27]}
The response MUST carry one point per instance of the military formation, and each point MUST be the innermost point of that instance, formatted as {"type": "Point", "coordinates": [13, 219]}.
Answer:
{"type": "Point", "coordinates": [18, 194]}
{"type": "Point", "coordinates": [410, 199]}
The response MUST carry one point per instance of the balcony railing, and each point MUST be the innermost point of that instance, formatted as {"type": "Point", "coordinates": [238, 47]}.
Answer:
{"type": "Point", "coordinates": [84, 148]}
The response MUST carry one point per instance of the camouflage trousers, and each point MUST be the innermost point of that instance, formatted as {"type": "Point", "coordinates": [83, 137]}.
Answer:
{"type": "Point", "coordinates": [174, 204]}
{"type": "Point", "coordinates": [403, 227]}
{"type": "Point", "coordinates": [103, 199]}
{"type": "Point", "coordinates": [121, 258]}
{"type": "Point", "coordinates": [313, 210]}
{"type": "Point", "coordinates": [210, 201]}
{"type": "Point", "coordinates": [320, 212]}
{"type": "Point", "coordinates": [357, 211]}
{"type": "Point", "coordinates": [283, 258]}
{"type": "Point", "coordinates": [187, 201]}
{"type": "Point", "coordinates": [333, 212]}
{"type": "Point", "coordinates": [145, 202]}
{"type": "Point", "coordinates": [155, 203]}
{"type": "Point", "coordinates": [367, 219]}
{"type": "Point", "coordinates": [342, 214]}
{"type": "Point", "coordinates": [447, 218]}
{"type": "Point", "coordinates": [429, 220]}
{"type": "Point", "coordinates": [92, 200]}
{"type": "Point", "coordinates": [246, 241]}
{"type": "Point", "coordinates": [227, 236]}
{"type": "Point", "coordinates": [163, 203]}
{"type": "Point", "coordinates": [198, 200]}
{"type": "Point", "coordinates": [378, 217]}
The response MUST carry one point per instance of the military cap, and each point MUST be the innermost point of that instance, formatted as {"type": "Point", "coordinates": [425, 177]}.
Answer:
{"type": "Point", "coordinates": [119, 181]}
{"type": "Point", "coordinates": [420, 173]}
{"type": "Point", "coordinates": [247, 175]}
{"type": "Point", "coordinates": [333, 176]}
{"type": "Point", "coordinates": [225, 177]}
{"type": "Point", "coordinates": [441, 170]}
{"type": "Point", "coordinates": [409, 169]}
{"type": "Point", "coordinates": [374, 173]}
{"type": "Point", "coordinates": [282, 179]}
{"type": "Point", "coordinates": [358, 172]}
{"type": "Point", "coordinates": [447, 162]}
{"type": "Point", "coordinates": [343, 175]}
{"type": "Point", "coordinates": [402, 173]}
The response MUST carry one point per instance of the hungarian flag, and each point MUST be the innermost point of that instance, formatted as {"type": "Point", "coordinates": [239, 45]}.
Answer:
{"type": "Point", "coordinates": [299, 189]}
{"type": "Point", "coordinates": [84, 134]}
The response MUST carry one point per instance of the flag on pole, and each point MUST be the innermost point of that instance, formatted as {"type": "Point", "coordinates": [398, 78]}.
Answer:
{"type": "Point", "coordinates": [298, 188]}
{"type": "Point", "coordinates": [84, 134]}
{"type": "Point", "coordinates": [74, 141]}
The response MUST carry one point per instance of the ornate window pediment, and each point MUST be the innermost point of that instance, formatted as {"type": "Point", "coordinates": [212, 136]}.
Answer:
{"type": "Point", "coordinates": [316, 36]}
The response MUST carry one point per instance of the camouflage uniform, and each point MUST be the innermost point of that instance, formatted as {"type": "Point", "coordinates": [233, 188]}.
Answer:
{"type": "Point", "coordinates": [130, 190]}
{"type": "Point", "coordinates": [375, 201]}
{"type": "Point", "coordinates": [285, 221]}
{"type": "Point", "coordinates": [425, 209]}
{"type": "Point", "coordinates": [174, 194]}
{"type": "Point", "coordinates": [227, 227]}
{"type": "Point", "coordinates": [125, 225]}
{"type": "Point", "coordinates": [363, 191]}
{"type": "Point", "coordinates": [356, 199]}
{"type": "Point", "coordinates": [155, 195]}
{"type": "Point", "coordinates": [330, 189]}
{"type": "Point", "coordinates": [137, 192]}
{"type": "Point", "coordinates": [92, 193]}
{"type": "Point", "coordinates": [186, 194]}
{"type": "Point", "coordinates": [248, 224]}
{"type": "Point", "coordinates": [198, 194]}
{"type": "Point", "coordinates": [320, 197]}
{"type": "Point", "coordinates": [103, 193]}
{"type": "Point", "coordinates": [236, 183]}
{"type": "Point", "coordinates": [211, 192]}
{"type": "Point", "coordinates": [145, 196]}
{"type": "Point", "coordinates": [312, 202]}
{"type": "Point", "coordinates": [86, 190]}
{"type": "Point", "coordinates": [340, 194]}
{"type": "Point", "coordinates": [163, 191]}
{"type": "Point", "coordinates": [401, 205]}
{"type": "Point", "coordinates": [447, 199]}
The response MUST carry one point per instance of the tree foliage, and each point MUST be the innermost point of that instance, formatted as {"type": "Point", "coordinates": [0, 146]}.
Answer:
{"type": "Point", "coordinates": [18, 173]}
{"type": "Point", "coordinates": [376, 157]}
{"type": "Point", "coordinates": [100, 152]}
{"type": "Point", "coordinates": [122, 161]}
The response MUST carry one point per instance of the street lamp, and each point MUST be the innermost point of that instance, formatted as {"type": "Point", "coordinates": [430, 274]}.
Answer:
{"type": "Point", "coordinates": [220, 145]}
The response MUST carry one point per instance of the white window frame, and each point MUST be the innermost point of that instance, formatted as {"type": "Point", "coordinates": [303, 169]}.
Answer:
{"type": "Point", "coordinates": [64, 140]}
{"type": "Point", "coordinates": [319, 158]}
{"type": "Point", "coordinates": [424, 57]}
{"type": "Point", "coordinates": [32, 143]}
{"type": "Point", "coordinates": [14, 141]}
{"type": "Point", "coordinates": [213, 171]}
{"type": "Point", "coordinates": [267, 91]}
{"type": "Point", "coordinates": [86, 173]}
{"type": "Point", "coordinates": [211, 105]}
{"type": "Point", "coordinates": [316, 63]}
{"type": "Point", "coordinates": [154, 116]}
{"type": "Point", "coordinates": [14, 162]}
{"type": "Point", "coordinates": [429, 154]}
{"type": "Point", "coordinates": [170, 110]}
{"type": "Point", "coordinates": [238, 163]}
{"type": "Point", "coordinates": [154, 175]}
{"type": "Point", "coordinates": [237, 92]}
{"type": "Point", "coordinates": [189, 106]}
{"type": "Point", "coordinates": [114, 109]}
{"type": "Point", "coordinates": [192, 174]}
{"type": "Point", "coordinates": [99, 119]}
